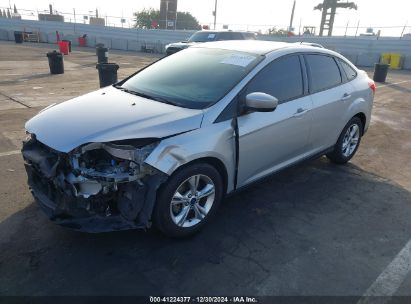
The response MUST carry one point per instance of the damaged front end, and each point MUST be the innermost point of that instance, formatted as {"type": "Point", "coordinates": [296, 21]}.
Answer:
{"type": "Point", "coordinates": [97, 187]}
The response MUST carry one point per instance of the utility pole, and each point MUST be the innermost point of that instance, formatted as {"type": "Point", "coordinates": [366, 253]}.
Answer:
{"type": "Point", "coordinates": [346, 28]}
{"type": "Point", "coordinates": [74, 13]}
{"type": "Point", "coordinates": [403, 30]}
{"type": "Point", "coordinates": [290, 28]}
{"type": "Point", "coordinates": [215, 14]}
{"type": "Point", "coordinates": [166, 15]}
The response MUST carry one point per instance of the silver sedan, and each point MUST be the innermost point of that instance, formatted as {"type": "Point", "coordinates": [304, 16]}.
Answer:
{"type": "Point", "coordinates": [166, 144]}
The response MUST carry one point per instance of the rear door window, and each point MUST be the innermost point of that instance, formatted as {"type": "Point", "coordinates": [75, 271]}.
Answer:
{"type": "Point", "coordinates": [249, 36]}
{"type": "Point", "coordinates": [282, 79]}
{"type": "Point", "coordinates": [237, 36]}
{"type": "Point", "coordinates": [324, 72]}
{"type": "Point", "coordinates": [225, 36]}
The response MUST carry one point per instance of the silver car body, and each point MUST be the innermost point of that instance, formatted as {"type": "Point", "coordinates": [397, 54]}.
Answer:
{"type": "Point", "coordinates": [297, 129]}
{"type": "Point", "coordinates": [296, 135]}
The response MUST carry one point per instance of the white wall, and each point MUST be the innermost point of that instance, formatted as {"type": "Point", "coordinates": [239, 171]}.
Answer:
{"type": "Point", "coordinates": [362, 51]}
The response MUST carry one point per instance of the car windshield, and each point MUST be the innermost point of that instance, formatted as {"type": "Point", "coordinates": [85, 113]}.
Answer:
{"type": "Point", "coordinates": [194, 78]}
{"type": "Point", "coordinates": [203, 37]}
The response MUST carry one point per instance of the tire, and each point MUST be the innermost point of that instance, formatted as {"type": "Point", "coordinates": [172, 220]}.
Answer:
{"type": "Point", "coordinates": [348, 142]}
{"type": "Point", "coordinates": [177, 212]}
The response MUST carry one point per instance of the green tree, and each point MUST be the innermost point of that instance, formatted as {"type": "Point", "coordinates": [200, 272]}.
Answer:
{"type": "Point", "coordinates": [186, 21]}
{"type": "Point", "coordinates": [277, 32]}
{"type": "Point", "coordinates": [147, 17]}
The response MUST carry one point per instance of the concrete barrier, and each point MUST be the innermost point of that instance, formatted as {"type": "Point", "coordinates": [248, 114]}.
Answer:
{"type": "Point", "coordinates": [368, 59]}
{"type": "Point", "coordinates": [407, 63]}
{"type": "Point", "coordinates": [104, 40]}
{"type": "Point", "coordinates": [91, 41]}
{"type": "Point", "coordinates": [134, 45]}
{"type": "Point", "coordinates": [119, 44]}
{"type": "Point", "coordinates": [353, 57]}
{"type": "Point", "coordinates": [4, 35]}
{"type": "Point", "coordinates": [10, 34]}
{"type": "Point", "coordinates": [43, 37]}
{"type": "Point", "coordinates": [52, 38]}
{"type": "Point", "coordinates": [72, 38]}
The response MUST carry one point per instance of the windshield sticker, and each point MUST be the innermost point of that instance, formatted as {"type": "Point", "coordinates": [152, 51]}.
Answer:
{"type": "Point", "coordinates": [239, 60]}
{"type": "Point", "coordinates": [211, 36]}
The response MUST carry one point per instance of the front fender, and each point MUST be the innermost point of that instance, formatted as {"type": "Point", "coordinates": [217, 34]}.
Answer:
{"type": "Point", "coordinates": [215, 141]}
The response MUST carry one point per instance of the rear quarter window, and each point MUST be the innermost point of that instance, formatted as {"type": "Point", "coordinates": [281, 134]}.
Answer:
{"type": "Point", "coordinates": [249, 36]}
{"type": "Point", "coordinates": [324, 72]}
{"type": "Point", "coordinates": [349, 71]}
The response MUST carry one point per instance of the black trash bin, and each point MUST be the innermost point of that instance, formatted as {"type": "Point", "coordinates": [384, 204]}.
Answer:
{"type": "Point", "coordinates": [18, 37]}
{"type": "Point", "coordinates": [380, 72]}
{"type": "Point", "coordinates": [56, 62]}
{"type": "Point", "coordinates": [69, 44]}
{"type": "Point", "coordinates": [102, 55]}
{"type": "Point", "coordinates": [107, 73]}
{"type": "Point", "coordinates": [99, 45]}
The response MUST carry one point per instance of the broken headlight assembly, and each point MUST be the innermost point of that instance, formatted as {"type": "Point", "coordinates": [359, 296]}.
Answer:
{"type": "Point", "coordinates": [103, 166]}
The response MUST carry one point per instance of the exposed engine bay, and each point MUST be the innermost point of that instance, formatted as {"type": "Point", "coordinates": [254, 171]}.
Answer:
{"type": "Point", "coordinates": [96, 187]}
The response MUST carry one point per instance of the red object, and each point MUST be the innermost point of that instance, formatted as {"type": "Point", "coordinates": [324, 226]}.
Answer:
{"type": "Point", "coordinates": [81, 41]}
{"type": "Point", "coordinates": [372, 86]}
{"type": "Point", "coordinates": [64, 47]}
{"type": "Point", "coordinates": [154, 24]}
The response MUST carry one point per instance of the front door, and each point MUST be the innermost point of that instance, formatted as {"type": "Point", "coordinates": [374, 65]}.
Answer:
{"type": "Point", "coordinates": [269, 141]}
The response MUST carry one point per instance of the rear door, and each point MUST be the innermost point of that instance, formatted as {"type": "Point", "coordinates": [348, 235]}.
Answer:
{"type": "Point", "coordinates": [269, 141]}
{"type": "Point", "coordinates": [331, 97]}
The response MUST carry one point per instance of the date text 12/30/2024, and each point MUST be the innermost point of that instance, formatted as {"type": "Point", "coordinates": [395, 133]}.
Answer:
{"type": "Point", "coordinates": [203, 300]}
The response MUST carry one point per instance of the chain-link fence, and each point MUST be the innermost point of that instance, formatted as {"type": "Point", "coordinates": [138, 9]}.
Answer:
{"type": "Point", "coordinates": [351, 29]}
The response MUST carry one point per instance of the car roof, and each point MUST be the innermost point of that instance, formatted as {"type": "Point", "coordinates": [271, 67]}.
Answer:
{"type": "Point", "coordinates": [258, 47]}
{"type": "Point", "coordinates": [224, 31]}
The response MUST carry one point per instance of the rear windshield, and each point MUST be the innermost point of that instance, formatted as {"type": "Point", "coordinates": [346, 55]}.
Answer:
{"type": "Point", "coordinates": [194, 78]}
{"type": "Point", "coordinates": [203, 37]}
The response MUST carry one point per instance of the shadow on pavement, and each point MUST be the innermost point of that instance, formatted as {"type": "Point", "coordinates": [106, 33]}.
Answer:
{"type": "Point", "coordinates": [316, 229]}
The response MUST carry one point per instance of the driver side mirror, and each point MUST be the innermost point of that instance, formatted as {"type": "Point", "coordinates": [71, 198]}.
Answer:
{"type": "Point", "coordinates": [260, 102]}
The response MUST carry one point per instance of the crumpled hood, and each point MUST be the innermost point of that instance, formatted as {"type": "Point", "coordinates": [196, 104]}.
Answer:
{"type": "Point", "coordinates": [106, 115]}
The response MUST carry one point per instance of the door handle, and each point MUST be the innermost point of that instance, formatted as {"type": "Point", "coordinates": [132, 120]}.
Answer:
{"type": "Point", "coordinates": [346, 96]}
{"type": "Point", "coordinates": [300, 112]}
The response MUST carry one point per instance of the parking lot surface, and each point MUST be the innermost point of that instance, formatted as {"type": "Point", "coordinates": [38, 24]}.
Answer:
{"type": "Point", "coordinates": [315, 229]}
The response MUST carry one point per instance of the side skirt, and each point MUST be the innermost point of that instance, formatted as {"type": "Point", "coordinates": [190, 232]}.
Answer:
{"type": "Point", "coordinates": [266, 177]}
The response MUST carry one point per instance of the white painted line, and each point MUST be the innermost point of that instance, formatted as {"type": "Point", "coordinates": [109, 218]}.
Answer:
{"type": "Point", "coordinates": [391, 84]}
{"type": "Point", "coordinates": [15, 152]}
{"type": "Point", "coordinates": [386, 285]}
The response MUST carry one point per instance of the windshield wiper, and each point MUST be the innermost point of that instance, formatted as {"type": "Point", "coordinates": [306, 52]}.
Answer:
{"type": "Point", "coordinates": [144, 95]}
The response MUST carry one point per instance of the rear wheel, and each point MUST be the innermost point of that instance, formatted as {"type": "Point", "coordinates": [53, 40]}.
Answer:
{"type": "Point", "coordinates": [187, 200]}
{"type": "Point", "coordinates": [348, 142]}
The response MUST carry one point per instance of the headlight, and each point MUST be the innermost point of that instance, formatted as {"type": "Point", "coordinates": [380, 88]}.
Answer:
{"type": "Point", "coordinates": [112, 162]}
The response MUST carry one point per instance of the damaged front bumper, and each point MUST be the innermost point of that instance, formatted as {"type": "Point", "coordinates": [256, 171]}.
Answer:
{"type": "Point", "coordinates": [98, 187]}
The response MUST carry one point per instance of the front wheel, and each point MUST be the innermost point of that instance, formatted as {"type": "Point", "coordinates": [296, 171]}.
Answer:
{"type": "Point", "coordinates": [187, 200]}
{"type": "Point", "coordinates": [348, 142]}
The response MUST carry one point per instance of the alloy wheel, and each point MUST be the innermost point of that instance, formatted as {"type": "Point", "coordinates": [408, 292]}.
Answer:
{"type": "Point", "coordinates": [351, 139]}
{"type": "Point", "coordinates": [192, 201]}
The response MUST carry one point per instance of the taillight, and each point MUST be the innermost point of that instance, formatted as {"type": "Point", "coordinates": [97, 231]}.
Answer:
{"type": "Point", "coordinates": [372, 86]}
